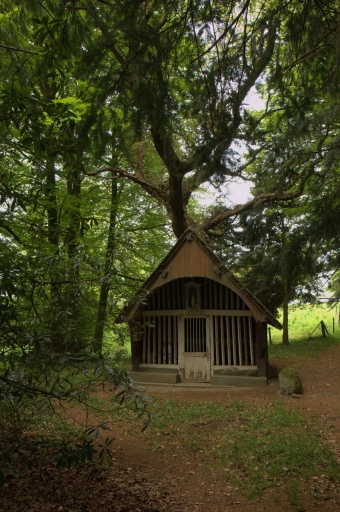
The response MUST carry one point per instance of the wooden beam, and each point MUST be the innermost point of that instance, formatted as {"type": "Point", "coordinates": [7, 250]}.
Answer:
{"type": "Point", "coordinates": [239, 337]}
{"type": "Point", "coordinates": [164, 340]}
{"type": "Point", "coordinates": [136, 352]}
{"type": "Point", "coordinates": [246, 341]}
{"type": "Point", "coordinates": [222, 320]}
{"type": "Point", "coordinates": [251, 341]}
{"type": "Point", "coordinates": [144, 339]}
{"type": "Point", "coordinates": [199, 312]}
{"type": "Point", "coordinates": [159, 341]}
{"type": "Point", "coordinates": [169, 341]}
{"type": "Point", "coordinates": [261, 349]}
{"type": "Point", "coordinates": [154, 331]}
{"type": "Point", "coordinates": [233, 336]}
{"type": "Point", "coordinates": [149, 341]}
{"type": "Point", "coordinates": [217, 341]}
{"type": "Point", "coordinates": [228, 341]}
{"type": "Point", "coordinates": [175, 320]}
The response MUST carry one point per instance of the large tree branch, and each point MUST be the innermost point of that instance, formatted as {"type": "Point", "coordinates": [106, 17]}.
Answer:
{"type": "Point", "coordinates": [263, 199]}
{"type": "Point", "coordinates": [150, 188]}
{"type": "Point", "coordinates": [259, 200]}
{"type": "Point", "coordinates": [12, 48]}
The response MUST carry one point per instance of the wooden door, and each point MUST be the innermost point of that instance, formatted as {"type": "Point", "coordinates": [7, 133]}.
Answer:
{"type": "Point", "coordinates": [196, 338]}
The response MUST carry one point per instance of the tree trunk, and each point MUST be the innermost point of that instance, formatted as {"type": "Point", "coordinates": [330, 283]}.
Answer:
{"type": "Point", "coordinates": [53, 234]}
{"type": "Point", "coordinates": [74, 191]}
{"type": "Point", "coordinates": [106, 281]}
{"type": "Point", "coordinates": [285, 301]}
{"type": "Point", "coordinates": [285, 334]}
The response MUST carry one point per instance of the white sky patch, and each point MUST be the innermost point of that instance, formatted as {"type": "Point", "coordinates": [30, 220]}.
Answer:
{"type": "Point", "coordinates": [253, 101]}
{"type": "Point", "coordinates": [237, 192]}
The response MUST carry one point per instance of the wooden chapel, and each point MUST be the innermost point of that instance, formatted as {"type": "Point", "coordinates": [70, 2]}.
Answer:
{"type": "Point", "coordinates": [193, 321]}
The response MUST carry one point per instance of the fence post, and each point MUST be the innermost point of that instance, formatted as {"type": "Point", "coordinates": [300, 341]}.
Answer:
{"type": "Point", "coordinates": [270, 336]}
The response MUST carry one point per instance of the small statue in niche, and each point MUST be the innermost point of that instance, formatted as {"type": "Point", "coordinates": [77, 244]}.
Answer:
{"type": "Point", "coordinates": [193, 302]}
{"type": "Point", "coordinates": [193, 296]}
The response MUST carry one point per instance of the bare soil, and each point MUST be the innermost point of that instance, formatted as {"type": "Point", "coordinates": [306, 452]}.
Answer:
{"type": "Point", "coordinates": [141, 479]}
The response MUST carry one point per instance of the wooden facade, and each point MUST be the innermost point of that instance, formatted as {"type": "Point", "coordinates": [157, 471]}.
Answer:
{"type": "Point", "coordinates": [196, 322]}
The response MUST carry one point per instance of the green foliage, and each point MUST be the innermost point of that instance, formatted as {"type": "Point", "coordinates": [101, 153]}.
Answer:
{"type": "Point", "coordinates": [84, 449]}
{"type": "Point", "coordinates": [36, 383]}
{"type": "Point", "coordinates": [274, 258]}
{"type": "Point", "coordinates": [111, 116]}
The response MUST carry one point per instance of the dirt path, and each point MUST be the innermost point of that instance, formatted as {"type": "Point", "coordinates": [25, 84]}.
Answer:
{"type": "Point", "coordinates": [199, 488]}
{"type": "Point", "coordinates": [143, 479]}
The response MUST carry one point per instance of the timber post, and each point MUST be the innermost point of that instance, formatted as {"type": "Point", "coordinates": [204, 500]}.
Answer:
{"type": "Point", "coordinates": [136, 345]}
{"type": "Point", "coordinates": [261, 349]}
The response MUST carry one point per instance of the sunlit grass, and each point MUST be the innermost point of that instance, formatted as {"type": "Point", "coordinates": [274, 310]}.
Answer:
{"type": "Point", "coordinates": [303, 320]}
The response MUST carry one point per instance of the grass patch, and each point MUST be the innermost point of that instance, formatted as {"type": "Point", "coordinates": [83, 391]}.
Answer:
{"type": "Point", "coordinates": [302, 322]}
{"type": "Point", "coordinates": [258, 449]}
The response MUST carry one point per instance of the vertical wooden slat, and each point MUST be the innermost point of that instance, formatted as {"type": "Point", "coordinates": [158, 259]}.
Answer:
{"type": "Point", "coordinates": [187, 330]}
{"type": "Point", "coordinates": [205, 295]}
{"type": "Point", "coordinates": [222, 318]}
{"type": "Point", "coordinates": [211, 294]}
{"type": "Point", "coordinates": [148, 342]}
{"type": "Point", "coordinates": [144, 339]}
{"type": "Point", "coordinates": [213, 332]}
{"type": "Point", "coordinates": [217, 341]}
{"type": "Point", "coordinates": [164, 338]}
{"type": "Point", "coordinates": [175, 339]}
{"type": "Point", "coordinates": [215, 296]}
{"type": "Point", "coordinates": [186, 321]}
{"type": "Point", "coordinates": [239, 335]}
{"type": "Point", "coordinates": [173, 293]}
{"type": "Point", "coordinates": [179, 304]}
{"type": "Point", "coordinates": [197, 326]}
{"type": "Point", "coordinates": [154, 331]}
{"type": "Point", "coordinates": [228, 340]}
{"type": "Point", "coordinates": [233, 334]}
{"type": "Point", "coordinates": [231, 299]}
{"type": "Point", "coordinates": [188, 335]}
{"type": "Point", "coordinates": [159, 340]}
{"type": "Point", "coordinates": [201, 345]}
{"type": "Point", "coordinates": [220, 306]}
{"type": "Point", "coordinates": [163, 305]}
{"type": "Point", "coordinates": [169, 341]}
{"type": "Point", "coordinates": [246, 340]}
{"type": "Point", "coordinates": [187, 340]}
{"type": "Point", "coordinates": [192, 335]}
{"type": "Point", "coordinates": [251, 340]}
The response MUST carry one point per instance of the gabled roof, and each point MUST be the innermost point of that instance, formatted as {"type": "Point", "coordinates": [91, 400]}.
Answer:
{"type": "Point", "coordinates": [218, 268]}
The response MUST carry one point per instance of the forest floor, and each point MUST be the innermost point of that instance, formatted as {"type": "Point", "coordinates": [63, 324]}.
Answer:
{"type": "Point", "coordinates": [149, 472]}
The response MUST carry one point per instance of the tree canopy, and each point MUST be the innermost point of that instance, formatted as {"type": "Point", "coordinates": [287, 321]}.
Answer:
{"type": "Point", "coordinates": [114, 113]}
